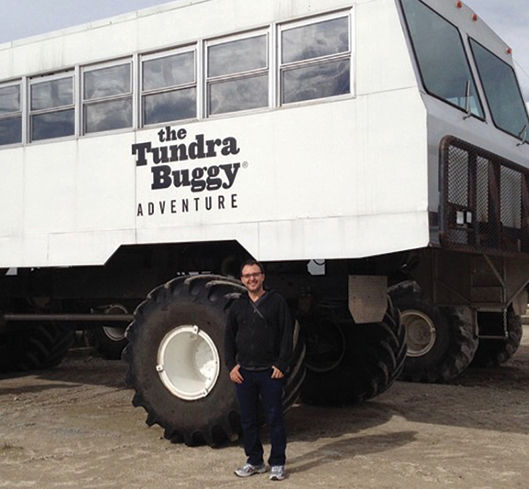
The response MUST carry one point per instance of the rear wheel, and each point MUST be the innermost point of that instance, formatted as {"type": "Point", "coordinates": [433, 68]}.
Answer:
{"type": "Point", "coordinates": [34, 346]}
{"type": "Point", "coordinates": [367, 363]}
{"type": "Point", "coordinates": [494, 352]}
{"type": "Point", "coordinates": [441, 340]}
{"type": "Point", "coordinates": [110, 340]}
{"type": "Point", "coordinates": [176, 360]}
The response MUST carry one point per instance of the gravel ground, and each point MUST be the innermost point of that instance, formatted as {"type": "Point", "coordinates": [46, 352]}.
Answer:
{"type": "Point", "coordinates": [74, 426]}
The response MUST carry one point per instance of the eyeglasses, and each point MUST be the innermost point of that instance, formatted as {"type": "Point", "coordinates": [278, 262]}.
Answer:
{"type": "Point", "coordinates": [251, 275]}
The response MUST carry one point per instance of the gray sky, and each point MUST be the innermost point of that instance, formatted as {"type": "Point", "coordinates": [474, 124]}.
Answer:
{"type": "Point", "coordinates": [23, 18]}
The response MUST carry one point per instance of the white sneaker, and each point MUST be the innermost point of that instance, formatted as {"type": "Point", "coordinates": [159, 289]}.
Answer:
{"type": "Point", "coordinates": [248, 469]}
{"type": "Point", "coordinates": [277, 473]}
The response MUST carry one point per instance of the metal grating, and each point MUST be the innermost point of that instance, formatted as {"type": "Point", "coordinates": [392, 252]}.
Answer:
{"type": "Point", "coordinates": [484, 201]}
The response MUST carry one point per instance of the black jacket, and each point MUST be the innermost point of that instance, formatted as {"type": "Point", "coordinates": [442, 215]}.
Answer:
{"type": "Point", "coordinates": [261, 336]}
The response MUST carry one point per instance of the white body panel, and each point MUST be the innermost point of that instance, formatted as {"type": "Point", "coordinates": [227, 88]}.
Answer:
{"type": "Point", "coordinates": [339, 178]}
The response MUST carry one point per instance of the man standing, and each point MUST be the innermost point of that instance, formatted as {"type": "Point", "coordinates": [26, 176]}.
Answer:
{"type": "Point", "coordinates": [258, 350]}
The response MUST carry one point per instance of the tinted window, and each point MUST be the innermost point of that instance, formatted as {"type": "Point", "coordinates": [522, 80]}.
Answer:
{"type": "Point", "coordinates": [52, 112]}
{"type": "Point", "coordinates": [315, 40]}
{"type": "Point", "coordinates": [170, 106]}
{"type": "Point", "coordinates": [10, 130]}
{"type": "Point", "coordinates": [107, 82]}
{"type": "Point", "coordinates": [50, 94]}
{"type": "Point", "coordinates": [238, 75]}
{"type": "Point", "coordinates": [107, 98]}
{"type": "Point", "coordinates": [441, 57]}
{"type": "Point", "coordinates": [9, 99]}
{"type": "Point", "coordinates": [169, 88]}
{"type": "Point", "coordinates": [106, 116]}
{"type": "Point", "coordinates": [237, 56]}
{"type": "Point", "coordinates": [169, 71]}
{"type": "Point", "coordinates": [10, 115]}
{"type": "Point", "coordinates": [315, 61]}
{"type": "Point", "coordinates": [502, 91]}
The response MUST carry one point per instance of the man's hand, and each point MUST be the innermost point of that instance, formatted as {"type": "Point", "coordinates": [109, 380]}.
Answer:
{"type": "Point", "coordinates": [276, 373]}
{"type": "Point", "coordinates": [235, 375]}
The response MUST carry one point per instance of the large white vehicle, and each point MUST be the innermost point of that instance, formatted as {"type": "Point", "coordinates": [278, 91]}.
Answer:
{"type": "Point", "coordinates": [351, 145]}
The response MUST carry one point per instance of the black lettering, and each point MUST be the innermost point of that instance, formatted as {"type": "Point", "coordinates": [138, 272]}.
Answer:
{"type": "Point", "coordinates": [197, 183]}
{"type": "Point", "coordinates": [196, 199]}
{"type": "Point", "coordinates": [161, 177]}
{"type": "Point", "coordinates": [161, 135]}
{"type": "Point", "coordinates": [159, 155]}
{"type": "Point", "coordinates": [140, 211]}
{"type": "Point", "coordinates": [181, 178]}
{"type": "Point", "coordinates": [209, 203]}
{"type": "Point", "coordinates": [185, 205]}
{"type": "Point", "coordinates": [178, 152]}
{"type": "Point", "coordinates": [162, 207]}
{"type": "Point", "coordinates": [170, 134]}
{"type": "Point", "coordinates": [221, 201]}
{"type": "Point", "coordinates": [234, 201]}
{"type": "Point", "coordinates": [196, 149]}
{"type": "Point", "coordinates": [230, 147]}
{"type": "Point", "coordinates": [231, 173]}
{"type": "Point", "coordinates": [211, 143]}
{"type": "Point", "coordinates": [182, 133]}
{"type": "Point", "coordinates": [173, 206]}
{"type": "Point", "coordinates": [150, 208]}
{"type": "Point", "coordinates": [141, 149]}
{"type": "Point", "coordinates": [213, 182]}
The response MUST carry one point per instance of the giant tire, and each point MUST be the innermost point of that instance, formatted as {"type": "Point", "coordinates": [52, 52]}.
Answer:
{"type": "Point", "coordinates": [441, 340]}
{"type": "Point", "coordinates": [494, 352]}
{"type": "Point", "coordinates": [34, 346]}
{"type": "Point", "coordinates": [109, 340]}
{"type": "Point", "coordinates": [372, 360]}
{"type": "Point", "coordinates": [197, 303]}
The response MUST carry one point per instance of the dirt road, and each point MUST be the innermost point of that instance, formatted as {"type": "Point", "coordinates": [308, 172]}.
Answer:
{"type": "Point", "coordinates": [74, 426]}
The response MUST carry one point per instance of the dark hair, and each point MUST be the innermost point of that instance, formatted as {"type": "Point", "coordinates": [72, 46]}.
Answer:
{"type": "Point", "coordinates": [251, 262]}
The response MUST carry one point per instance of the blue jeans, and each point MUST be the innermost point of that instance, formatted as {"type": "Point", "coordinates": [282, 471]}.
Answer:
{"type": "Point", "coordinates": [260, 383]}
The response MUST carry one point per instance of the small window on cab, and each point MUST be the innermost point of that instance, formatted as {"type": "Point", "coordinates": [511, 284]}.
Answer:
{"type": "Point", "coordinates": [237, 72]}
{"type": "Point", "coordinates": [51, 107]}
{"type": "Point", "coordinates": [10, 114]}
{"type": "Point", "coordinates": [315, 59]}
{"type": "Point", "coordinates": [107, 97]}
{"type": "Point", "coordinates": [168, 87]}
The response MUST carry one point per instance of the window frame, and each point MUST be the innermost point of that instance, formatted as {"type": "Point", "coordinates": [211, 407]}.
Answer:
{"type": "Point", "coordinates": [172, 88]}
{"type": "Point", "coordinates": [316, 61]}
{"type": "Point", "coordinates": [208, 81]}
{"type": "Point", "coordinates": [129, 60]}
{"type": "Point", "coordinates": [36, 80]}
{"type": "Point", "coordinates": [18, 114]}
{"type": "Point", "coordinates": [479, 101]}
{"type": "Point", "coordinates": [472, 41]}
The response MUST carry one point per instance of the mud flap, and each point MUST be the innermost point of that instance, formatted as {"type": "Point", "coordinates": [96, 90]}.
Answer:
{"type": "Point", "coordinates": [368, 298]}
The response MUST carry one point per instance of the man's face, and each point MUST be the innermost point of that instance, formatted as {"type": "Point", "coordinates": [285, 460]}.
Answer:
{"type": "Point", "coordinates": [253, 278]}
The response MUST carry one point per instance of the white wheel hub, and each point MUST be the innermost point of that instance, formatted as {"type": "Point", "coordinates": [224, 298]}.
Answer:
{"type": "Point", "coordinates": [420, 332]}
{"type": "Point", "coordinates": [188, 363]}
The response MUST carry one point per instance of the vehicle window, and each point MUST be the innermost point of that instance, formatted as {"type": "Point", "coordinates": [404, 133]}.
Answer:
{"type": "Point", "coordinates": [237, 75]}
{"type": "Point", "coordinates": [52, 108]}
{"type": "Point", "coordinates": [169, 88]}
{"type": "Point", "coordinates": [441, 58]}
{"type": "Point", "coordinates": [107, 98]}
{"type": "Point", "coordinates": [502, 92]}
{"type": "Point", "coordinates": [315, 60]}
{"type": "Point", "coordinates": [10, 115]}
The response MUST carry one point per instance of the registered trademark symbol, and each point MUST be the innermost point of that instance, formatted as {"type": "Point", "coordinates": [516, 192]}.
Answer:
{"type": "Point", "coordinates": [245, 164]}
